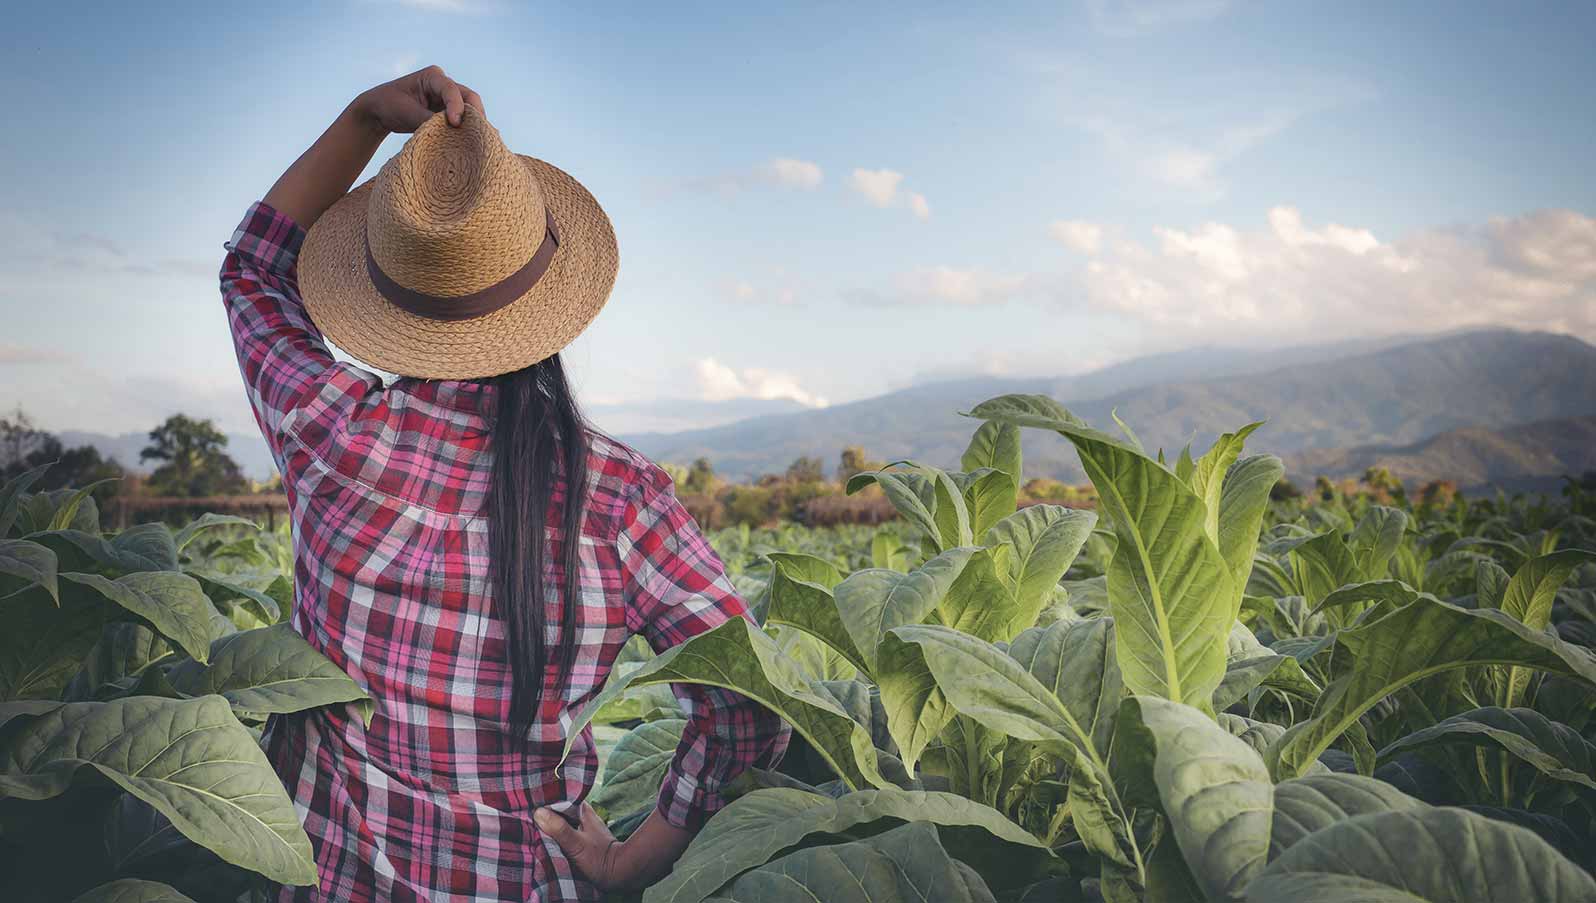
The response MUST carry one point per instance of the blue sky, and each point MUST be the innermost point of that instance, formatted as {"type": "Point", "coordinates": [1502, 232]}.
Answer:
{"type": "Point", "coordinates": [827, 201]}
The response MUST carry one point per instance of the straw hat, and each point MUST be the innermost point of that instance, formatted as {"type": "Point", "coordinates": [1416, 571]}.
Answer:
{"type": "Point", "coordinates": [460, 260]}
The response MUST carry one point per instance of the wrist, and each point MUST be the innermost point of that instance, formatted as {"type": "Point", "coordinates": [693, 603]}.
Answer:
{"type": "Point", "coordinates": [362, 112]}
{"type": "Point", "coordinates": [619, 872]}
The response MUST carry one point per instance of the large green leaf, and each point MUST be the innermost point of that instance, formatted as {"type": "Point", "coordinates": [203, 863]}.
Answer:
{"type": "Point", "coordinates": [1432, 855]}
{"type": "Point", "coordinates": [224, 593]}
{"type": "Point", "coordinates": [25, 564]}
{"type": "Point", "coordinates": [1528, 597]}
{"type": "Point", "coordinates": [978, 763]}
{"type": "Point", "coordinates": [1242, 506]}
{"type": "Point", "coordinates": [1208, 473]}
{"type": "Point", "coordinates": [801, 588]}
{"type": "Point", "coordinates": [1556, 750]}
{"type": "Point", "coordinates": [981, 600]}
{"type": "Point", "coordinates": [77, 508]}
{"type": "Point", "coordinates": [123, 649]}
{"type": "Point", "coordinates": [42, 644]}
{"type": "Point", "coordinates": [995, 446]}
{"type": "Point", "coordinates": [978, 680]}
{"type": "Point", "coordinates": [820, 660]}
{"type": "Point", "coordinates": [269, 670]}
{"type": "Point", "coordinates": [1045, 539]}
{"type": "Point", "coordinates": [872, 601]}
{"type": "Point", "coordinates": [988, 497]}
{"type": "Point", "coordinates": [190, 759]}
{"type": "Point", "coordinates": [173, 603]}
{"type": "Point", "coordinates": [1425, 637]}
{"type": "Point", "coordinates": [1375, 539]}
{"type": "Point", "coordinates": [1169, 589]}
{"type": "Point", "coordinates": [955, 526]}
{"type": "Point", "coordinates": [1213, 788]}
{"type": "Point", "coordinates": [759, 825]}
{"type": "Point", "coordinates": [207, 521]}
{"type": "Point", "coordinates": [739, 657]}
{"type": "Point", "coordinates": [11, 493]}
{"type": "Point", "coordinates": [1249, 664]}
{"type": "Point", "coordinates": [1075, 660]}
{"type": "Point", "coordinates": [146, 547]}
{"type": "Point", "coordinates": [911, 492]}
{"type": "Point", "coordinates": [1322, 565]}
{"type": "Point", "coordinates": [636, 767]}
{"type": "Point", "coordinates": [133, 890]}
{"type": "Point", "coordinates": [904, 865]}
{"type": "Point", "coordinates": [1308, 804]}
{"type": "Point", "coordinates": [916, 709]}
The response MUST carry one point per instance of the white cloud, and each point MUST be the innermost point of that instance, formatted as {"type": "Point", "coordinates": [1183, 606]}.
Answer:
{"type": "Point", "coordinates": [878, 186]}
{"type": "Point", "coordinates": [920, 206]}
{"type": "Point", "coordinates": [718, 382]}
{"type": "Point", "coordinates": [1130, 17]}
{"type": "Point", "coordinates": [780, 290]}
{"type": "Point", "coordinates": [1187, 157]}
{"type": "Point", "coordinates": [784, 172]}
{"type": "Point", "coordinates": [1077, 235]}
{"type": "Point", "coordinates": [1297, 281]}
{"type": "Point", "coordinates": [964, 287]}
{"type": "Point", "coordinates": [795, 173]}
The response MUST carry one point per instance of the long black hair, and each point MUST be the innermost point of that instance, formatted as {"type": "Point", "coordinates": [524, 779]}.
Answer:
{"type": "Point", "coordinates": [540, 447]}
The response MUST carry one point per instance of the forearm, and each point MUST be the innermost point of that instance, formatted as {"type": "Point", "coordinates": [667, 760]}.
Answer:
{"type": "Point", "coordinates": [649, 853]}
{"type": "Point", "coordinates": [325, 171]}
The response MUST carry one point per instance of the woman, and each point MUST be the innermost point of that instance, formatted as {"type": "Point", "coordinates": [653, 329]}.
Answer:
{"type": "Point", "coordinates": [465, 546]}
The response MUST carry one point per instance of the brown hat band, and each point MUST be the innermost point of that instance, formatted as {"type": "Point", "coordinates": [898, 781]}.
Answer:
{"type": "Point", "coordinates": [477, 304]}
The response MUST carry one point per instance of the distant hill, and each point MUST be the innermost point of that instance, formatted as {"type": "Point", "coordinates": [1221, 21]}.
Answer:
{"type": "Point", "coordinates": [1332, 396]}
{"type": "Point", "coordinates": [1526, 457]}
{"type": "Point", "coordinates": [673, 414]}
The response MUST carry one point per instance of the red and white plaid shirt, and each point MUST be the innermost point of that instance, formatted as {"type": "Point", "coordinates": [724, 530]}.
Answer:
{"type": "Point", "coordinates": [388, 485]}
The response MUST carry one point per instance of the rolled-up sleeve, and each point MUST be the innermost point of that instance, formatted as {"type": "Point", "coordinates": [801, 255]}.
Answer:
{"type": "Point", "coordinates": [283, 358]}
{"type": "Point", "coordinates": [677, 589]}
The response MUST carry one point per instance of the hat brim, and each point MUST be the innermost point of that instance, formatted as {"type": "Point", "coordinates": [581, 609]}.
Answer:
{"type": "Point", "coordinates": [346, 307]}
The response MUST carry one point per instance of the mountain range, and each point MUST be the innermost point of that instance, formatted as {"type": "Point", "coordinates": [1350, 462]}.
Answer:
{"type": "Point", "coordinates": [1389, 392]}
{"type": "Point", "coordinates": [1530, 457]}
{"type": "Point", "coordinates": [1486, 407]}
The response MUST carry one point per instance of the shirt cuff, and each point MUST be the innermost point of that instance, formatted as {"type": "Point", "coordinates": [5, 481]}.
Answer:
{"type": "Point", "coordinates": [271, 240]}
{"type": "Point", "coordinates": [685, 804]}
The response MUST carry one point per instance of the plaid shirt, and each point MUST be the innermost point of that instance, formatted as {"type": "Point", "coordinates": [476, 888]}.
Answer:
{"type": "Point", "coordinates": [433, 800]}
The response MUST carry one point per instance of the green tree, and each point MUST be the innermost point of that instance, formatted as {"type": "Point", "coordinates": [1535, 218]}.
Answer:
{"type": "Point", "coordinates": [195, 462]}
{"type": "Point", "coordinates": [854, 460]}
{"type": "Point", "coordinates": [806, 469]}
{"type": "Point", "coordinates": [701, 477]}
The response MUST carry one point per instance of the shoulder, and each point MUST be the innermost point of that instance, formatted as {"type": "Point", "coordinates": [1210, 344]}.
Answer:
{"type": "Point", "coordinates": [619, 476]}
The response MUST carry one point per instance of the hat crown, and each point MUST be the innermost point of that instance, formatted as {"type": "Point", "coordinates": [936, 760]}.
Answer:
{"type": "Point", "coordinates": [454, 212]}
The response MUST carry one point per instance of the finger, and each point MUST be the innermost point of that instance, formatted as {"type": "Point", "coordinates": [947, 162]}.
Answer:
{"type": "Point", "coordinates": [474, 99]}
{"type": "Point", "coordinates": [453, 102]}
{"type": "Point", "coordinates": [556, 827]}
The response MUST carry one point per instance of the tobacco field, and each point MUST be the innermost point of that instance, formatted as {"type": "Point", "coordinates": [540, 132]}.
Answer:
{"type": "Point", "coordinates": [1191, 693]}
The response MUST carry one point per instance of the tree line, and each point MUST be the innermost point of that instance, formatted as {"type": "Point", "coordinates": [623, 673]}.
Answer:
{"type": "Point", "coordinates": [192, 456]}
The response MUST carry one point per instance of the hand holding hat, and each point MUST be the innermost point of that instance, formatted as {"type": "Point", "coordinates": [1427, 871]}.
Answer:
{"type": "Point", "coordinates": [402, 105]}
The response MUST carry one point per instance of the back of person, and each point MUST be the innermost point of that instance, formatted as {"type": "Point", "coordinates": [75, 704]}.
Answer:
{"type": "Point", "coordinates": [417, 507]}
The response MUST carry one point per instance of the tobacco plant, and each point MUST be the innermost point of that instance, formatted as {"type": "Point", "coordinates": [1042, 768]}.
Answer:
{"type": "Point", "coordinates": [136, 669]}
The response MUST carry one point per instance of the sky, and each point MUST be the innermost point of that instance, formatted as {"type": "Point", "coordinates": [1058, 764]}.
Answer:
{"type": "Point", "coordinates": [827, 201]}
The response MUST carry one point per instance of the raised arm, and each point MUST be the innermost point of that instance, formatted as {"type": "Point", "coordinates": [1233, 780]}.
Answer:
{"type": "Point", "coordinates": [281, 354]}
{"type": "Point", "coordinates": [325, 171]}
